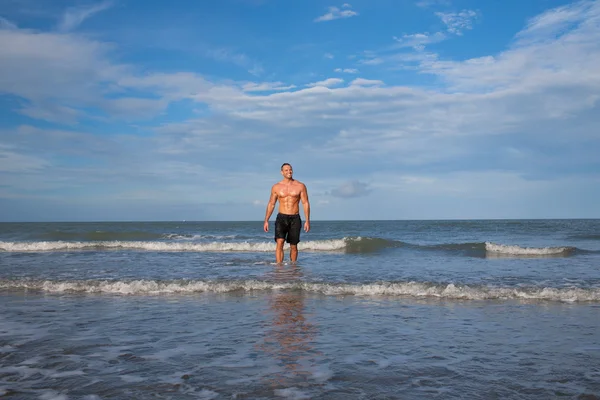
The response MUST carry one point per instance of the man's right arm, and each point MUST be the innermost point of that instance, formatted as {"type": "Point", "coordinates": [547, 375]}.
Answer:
{"type": "Point", "coordinates": [270, 208]}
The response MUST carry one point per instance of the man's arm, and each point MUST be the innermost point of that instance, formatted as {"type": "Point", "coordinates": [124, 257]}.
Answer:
{"type": "Point", "coordinates": [270, 208]}
{"type": "Point", "coordinates": [306, 206]}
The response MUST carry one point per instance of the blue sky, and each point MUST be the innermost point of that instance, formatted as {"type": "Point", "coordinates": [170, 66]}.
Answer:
{"type": "Point", "coordinates": [387, 109]}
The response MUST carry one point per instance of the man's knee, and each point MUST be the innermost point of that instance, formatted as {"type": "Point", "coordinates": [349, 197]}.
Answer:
{"type": "Point", "coordinates": [280, 243]}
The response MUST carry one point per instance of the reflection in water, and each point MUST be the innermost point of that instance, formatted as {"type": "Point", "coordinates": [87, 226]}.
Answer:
{"type": "Point", "coordinates": [289, 338]}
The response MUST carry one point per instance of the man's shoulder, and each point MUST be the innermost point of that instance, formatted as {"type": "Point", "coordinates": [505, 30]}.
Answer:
{"type": "Point", "coordinates": [300, 184]}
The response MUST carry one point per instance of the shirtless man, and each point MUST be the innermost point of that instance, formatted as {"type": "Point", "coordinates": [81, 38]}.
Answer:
{"type": "Point", "coordinates": [289, 192]}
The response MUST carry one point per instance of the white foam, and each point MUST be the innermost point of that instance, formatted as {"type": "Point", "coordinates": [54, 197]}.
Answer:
{"type": "Point", "coordinates": [525, 251]}
{"type": "Point", "coordinates": [207, 394]}
{"type": "Point", "coordinates": [315, 245]}
{"type": "Point", "coordinates": [322, 374]}
{"type": "Point", "coordinates": [291, 393]}
{"type": "Point", "coordinates": [408, 289]}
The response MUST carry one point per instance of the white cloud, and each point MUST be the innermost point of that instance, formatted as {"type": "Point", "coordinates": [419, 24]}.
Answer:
{"type": "Point", "coordinates": [327, 82]}
{"type": "Point", "coordinates": [75, 16]}
{"type": "Point", "coordinates": [336, 13]}
{"type": "Point", "coordinates": [48, 111]}
{"type": "Point", "coordinates": [329, 56]}
{"type": "Point", "coordinates": [366, 82]}
{"type": "Point", "coordinates": [266, 87]}
{"type": "Point", "coordinates": [419, 40]}
{"type": "Point", "coordinates": [347, 70]}
{"type": "Point", "coordinates": [73, 75]}
{"type": "Point", "coordinates": [555, 21]}
{"type": "Point", "coordinates": [458, 22]}
{"type": "Point", "coordinates": [539, 62]}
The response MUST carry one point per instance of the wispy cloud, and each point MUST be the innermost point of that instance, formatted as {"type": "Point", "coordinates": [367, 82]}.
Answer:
{"type": "Point", "coordinates": [418, 41]}
{"type": "Point", "coordinates": [328, 56]}
{"type": "Point", "coordinates": [366, 82]}
{"type": "Point", "coordinates": [336, 13]}
{"type": "Point", "coordinates": [458, 22]}
{"type": "Point", "coordinates": [239, 59]}
{"type": "Point", "coordinates": [347, 70]}
{"type": "Point", "coordinates": [266, 87]}
{"type": "Point", "coordinates": [6, 24]}
{"type": "Point", "coordinates": [372, 60]}
{"type": "Point", "coordinates": [327, 82]}
{"type": "Point", "coordinates": [405, 53]}
{"type": "Point", "coordinates": [554, 21]}
{"type": "Point", "coordinates": [75, 16]}
{"type": "Point", "coordinates": [11, 160]}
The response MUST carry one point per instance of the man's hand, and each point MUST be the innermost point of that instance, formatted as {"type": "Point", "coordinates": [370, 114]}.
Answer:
{"type": "Point", "coordinates": [306, 226]}
{"type": "Point", "coordinates": [266, 227]}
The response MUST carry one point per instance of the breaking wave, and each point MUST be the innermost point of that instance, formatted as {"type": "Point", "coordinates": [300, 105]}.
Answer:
{"type": "Point", "coordinates": [527, 251]}
{"type": "Point", "coordinates": [350, 245]}
{"type": "Point", "coordinates": [449, 291]}
{"type": "Point", "coordinates": [346, 245]}
{"type": "Point", "coordinates": [161, 246]}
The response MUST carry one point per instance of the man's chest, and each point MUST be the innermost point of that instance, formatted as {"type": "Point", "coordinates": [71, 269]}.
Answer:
{"type": "Point", "coordinates": [284, 191]}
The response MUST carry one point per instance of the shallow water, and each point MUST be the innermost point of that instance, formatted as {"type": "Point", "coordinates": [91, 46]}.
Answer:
{"type": "Point", "coordinates": [373, 309]}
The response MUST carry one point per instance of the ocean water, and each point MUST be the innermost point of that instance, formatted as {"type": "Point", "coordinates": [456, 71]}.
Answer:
{"type": "Point", "coordinates": [491, 309]}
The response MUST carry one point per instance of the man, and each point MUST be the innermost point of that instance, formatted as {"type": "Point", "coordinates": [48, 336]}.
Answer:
{"type": "Point", "coordinates": [289, 192]}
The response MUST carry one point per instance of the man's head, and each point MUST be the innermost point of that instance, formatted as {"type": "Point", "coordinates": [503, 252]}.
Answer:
{"type": "Point", "coordinates": [286, 170]}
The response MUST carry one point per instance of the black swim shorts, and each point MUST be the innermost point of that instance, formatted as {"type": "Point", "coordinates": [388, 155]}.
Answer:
{"type": "Point", "coordinates": [288, 227]}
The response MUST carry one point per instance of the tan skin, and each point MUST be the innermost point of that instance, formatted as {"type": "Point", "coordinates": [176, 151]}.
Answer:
{"type": "Point", "coordinates": [289, 192]}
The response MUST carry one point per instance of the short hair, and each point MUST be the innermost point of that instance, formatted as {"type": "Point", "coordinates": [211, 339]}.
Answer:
{"type": "Point", "coordinates": [284, 164]}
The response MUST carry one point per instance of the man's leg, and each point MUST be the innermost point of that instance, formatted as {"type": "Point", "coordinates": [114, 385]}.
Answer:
{"type": "Point", "coordinates": [294, 237]}
{"type": "Point", "coordinates": [293, 252]}
{"type": "Point", "coordinates": [279, 250]}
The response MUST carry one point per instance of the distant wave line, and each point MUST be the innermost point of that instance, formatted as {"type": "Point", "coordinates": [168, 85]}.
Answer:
{"type": "Point", "coordinates": [346, 244]}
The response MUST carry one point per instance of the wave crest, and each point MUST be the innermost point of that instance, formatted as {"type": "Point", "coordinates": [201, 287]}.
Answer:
{"type": "Point", "coordinates": [316, 245]}
{"type": "Point", "coordinates": [346, 244]}
{"type": "Point", "coordinates": [527, 251]}
{"type": "Point", "coordinates": [412, 289]}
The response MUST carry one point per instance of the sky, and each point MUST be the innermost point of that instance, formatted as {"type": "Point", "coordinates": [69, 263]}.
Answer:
{"type": "Point", "coordinates": [134, 110]}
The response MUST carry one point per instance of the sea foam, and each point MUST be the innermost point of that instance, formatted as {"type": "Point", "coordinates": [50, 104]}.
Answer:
{"type": "Point", "coordinates": [526, 251]}
{"type": "Point", "coordinates": [405, 289]}
{"type": "Point", "coordinates": [216, 246]}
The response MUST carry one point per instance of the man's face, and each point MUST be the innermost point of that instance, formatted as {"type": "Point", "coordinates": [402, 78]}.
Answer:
{"type": "Point", "coordinates": [287, 171]}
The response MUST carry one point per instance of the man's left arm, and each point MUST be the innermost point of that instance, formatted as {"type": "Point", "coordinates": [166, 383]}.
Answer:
{"type": "Point", "coordinates": [306, 206]}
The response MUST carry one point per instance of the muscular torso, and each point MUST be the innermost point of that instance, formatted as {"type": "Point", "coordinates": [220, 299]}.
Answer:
{"type": "Point", "coordinates": [288, 195]}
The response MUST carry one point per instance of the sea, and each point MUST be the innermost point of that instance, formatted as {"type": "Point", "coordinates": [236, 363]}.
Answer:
{"type": "Point", "coordinates": [446, 309]}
